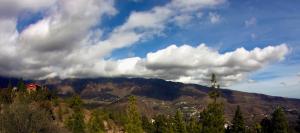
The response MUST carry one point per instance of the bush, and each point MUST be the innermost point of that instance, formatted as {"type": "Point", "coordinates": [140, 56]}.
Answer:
{"type": "Point", "coordinates": [26, 118]}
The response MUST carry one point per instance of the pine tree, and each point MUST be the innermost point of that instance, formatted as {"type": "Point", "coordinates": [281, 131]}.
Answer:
{"type": "Point", "coordinates": [266, 125]}
{"type": "Point", "coordinates": [179, 123]}
{"type": "Point", "coordinates": [147, 126]}
{"type": "Point", "coordinates": [193, 126]}
{"type": "Point", "coordinates": [160, 125]}
{"type": "Point", "coordinates": [214, 93]}
{"type": "Point", "coordinates": [279, 121]}
{"type": "Point", "coordinates": [95, 124]}
{"type": "Point", "coordinates": [213, 116]}
{"type": "Point", "coordinates": [134, 123]}
{"type": "Point", "coordinates": [21, 86]}
{"type": "Point", "coordinates": [238, 122]}
{"type": "Point", "coordinates": [297, 128]}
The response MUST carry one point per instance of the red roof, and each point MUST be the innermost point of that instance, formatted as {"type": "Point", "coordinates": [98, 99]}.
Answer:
{"type": "Point", "coordinates": [32, 86]}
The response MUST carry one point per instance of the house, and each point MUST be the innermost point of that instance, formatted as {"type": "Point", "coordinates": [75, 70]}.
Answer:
{"type": "Point", "coordinates": [32, 87]}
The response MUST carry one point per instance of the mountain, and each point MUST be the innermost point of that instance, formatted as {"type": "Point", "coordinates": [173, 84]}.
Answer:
{"type": "Point", "coordinates": [160, 96]}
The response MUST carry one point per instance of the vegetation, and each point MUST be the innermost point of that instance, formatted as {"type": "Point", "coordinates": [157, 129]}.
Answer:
{"type": "Point", "coordinates": [279, 122]}
{"type": "Point", "coordinates": [24, 112]}
{"type": "Point", "coordinates": [266, 125]}
{"type": "Point", "coordinates": [238, 122]}
{"type": "Point", "coordinates": [162, 125]}
{"type": "Point", "coordinates": [214, 93]}
{"type": "Point", "coordinates": [213, 116]}
{"type": "Point", "coordinates": [297, 128]}
{"type": "Point", "coordinates": [193, 125]}
{"type": "Point", "coordinates": [75, 122]}
{"type": "Point", "coordinates": [147, 125]}
{"type": "Point", "coordinates": [41, 111]}
{"type": "Point", "coordinates": [95, 124]}
{"type": "Point", "coordinates": [179, 123]}
{"type": "Point", "coordinates": [134, 123]}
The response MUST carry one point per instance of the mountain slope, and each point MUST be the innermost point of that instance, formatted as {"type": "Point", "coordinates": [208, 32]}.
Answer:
{"type": "Point", "coordinates": [160, 96]}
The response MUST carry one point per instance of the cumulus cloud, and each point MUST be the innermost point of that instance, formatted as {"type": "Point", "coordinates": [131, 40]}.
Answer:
{"type": "Point", "coordinates": [11, 8]}
{"type": "Point", "coordinates": [197, 63]}
{"type": "Point", "coordinates": [48, 46]}
{"type": "Point", "coordinates": [65, 44]}
{"type": "Point", "coordinates": [64, 41]}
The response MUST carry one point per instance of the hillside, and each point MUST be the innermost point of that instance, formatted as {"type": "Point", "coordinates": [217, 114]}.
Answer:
{"type": "Point", "coordinates": [159, 96]}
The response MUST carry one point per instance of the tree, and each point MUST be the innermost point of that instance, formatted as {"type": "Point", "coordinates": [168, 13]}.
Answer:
{"type": "Point", "coordinates": [21, 85]}
{"type": "Point", "coordinates": [179, 123]}
{"type": "Point", "coordinates": [214, 93]}
{"type": "Point", "coordinates": [147, 125]}
{"type": "Point", "coordinates": [95, 124]}
{"type": "Point", "coordinates": [161, 124]}
{"type": "Point", "coordinates": [75, 123]}
{"type": "Point", "coordinates": [238, 122]}
{"type": "Point", "coordinates": [134, 123]}
{"type": "Point", "coordinates": [193, 126]}
{"type": "Point", "coordinates": [75, 102]}
{"type": "Point", "coordinates": [213, 116]}
{"type": "Point", "coordinates": [266, 125]}
{"type": "Point", "coordinates": [279, 121]}
{"type": "Point", "coordinates": [297, 128]}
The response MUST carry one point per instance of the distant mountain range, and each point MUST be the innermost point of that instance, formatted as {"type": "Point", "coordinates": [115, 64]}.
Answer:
{"type": "Point", "coordinates": [160, 96]}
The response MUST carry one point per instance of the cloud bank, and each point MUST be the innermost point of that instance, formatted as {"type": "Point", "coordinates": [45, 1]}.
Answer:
{"type": "Point", "coordinates": [195, 64]}
{"type": "Point", "coordinates": [67, 43]}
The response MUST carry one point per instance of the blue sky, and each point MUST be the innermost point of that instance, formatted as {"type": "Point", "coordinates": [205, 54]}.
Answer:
{"type": "Point", "coordinates": [154, 39]}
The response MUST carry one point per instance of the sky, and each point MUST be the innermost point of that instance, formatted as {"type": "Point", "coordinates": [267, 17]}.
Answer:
{"type": "Point", "coordinates": [251, 45]}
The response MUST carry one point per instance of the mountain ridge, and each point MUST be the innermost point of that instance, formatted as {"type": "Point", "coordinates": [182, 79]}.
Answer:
{"type": "Point", "coordinates": [159, 96]}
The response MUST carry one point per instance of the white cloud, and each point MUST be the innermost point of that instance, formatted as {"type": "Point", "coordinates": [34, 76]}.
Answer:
{"type": "Point", "coordinates": [250, 22]}
{"type": "Point", "coordinates": [182, 20]}
{"type": "Point", "coordinates": [153, 22]}
{"type": "Point", "coordinates": [193, 5]}
{"type": "Point", "coordinates": [63, 44]}
{"type": "Point", "coordinates": [47, 46]}
{"type": "Point", "coordinates": [197, 63]}
{"type": "Point", "coordinates": [11, 8]}
{"type": "Point", "coordinates": [214, 18]}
